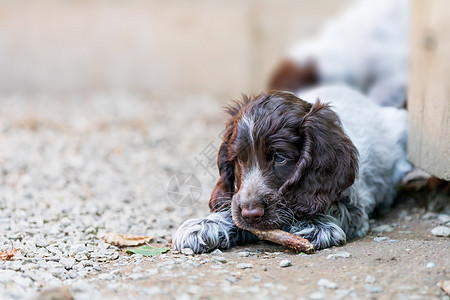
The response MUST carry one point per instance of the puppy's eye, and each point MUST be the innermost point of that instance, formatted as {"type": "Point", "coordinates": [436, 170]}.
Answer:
{"type": "Point", "coordinates": [279, 159]}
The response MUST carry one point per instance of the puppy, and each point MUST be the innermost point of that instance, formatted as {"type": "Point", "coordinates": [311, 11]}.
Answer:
{"type": "Point", "coordinates": [313, 169]}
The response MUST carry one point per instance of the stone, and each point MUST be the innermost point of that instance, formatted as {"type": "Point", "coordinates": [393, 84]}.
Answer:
{"type": "Point", "coordinates": [106, 276]}
{"type": "Point", "coordinates": [317, 296]}
{"type": "Point", "coordinates": [57, 271]}
{"type": "Point", "coordinates": [337, 255]}
{"type": "Point", "coordinates": [429, 216]}
{"type": "Point", "coordinates": [187, 251]}
{"type": "Point", "coordinates": [153, 290]}
{"type": "Point", "coordinates": [382, 228]}
{"type": "Point", "coordinates": [72, 274]}
{"type": "Point", "coordinates": [244, 253]}
{"type": "Point", "coordinates": [285, 263]}
{"type": "Point", "coordinates": [373, 289]}
{"type": "Point", "coordinates": [370, 279]}
{"type": "Point", "coordinates": [67, 262]}
{"type": "Point", "coordinates": [443, 218]}
{"type": "Point", "coordinates": [441, 231]}
{"type": "Point", "coordinates": [244, 266]}
{"type": "Point", "coordinates": [327, 283]}
{"type": "Point", "coordinates": [216, 252]}
{"type": "Point", "coordinates": [137, 276]}
{"type": "Point", "coordinates": [14, 265]}
{"type": "Point", "coordinates": [41, 243]}
{"type": "Point", "coordinates": [54, 250]}
{"type": "Point", "coordinates": [380, 239]}
{"type": "Point", "coordinates": [220, 259]}
{"type": "Point", "coordinates": [342, 293]}
{"type": "Point", "coordinates": [430, 265]}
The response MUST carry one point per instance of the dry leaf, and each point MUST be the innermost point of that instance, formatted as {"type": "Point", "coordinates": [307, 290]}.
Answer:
{"type": "Point", "coordinates": [125, 240]}
{"type": "Point", "coordinates": [8, 254]}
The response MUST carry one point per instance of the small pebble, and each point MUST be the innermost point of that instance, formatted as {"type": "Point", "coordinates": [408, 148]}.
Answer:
{"type": "Point", "coordinates": [244, 266]}
{"type": "Point", "coordinates": [317, 296]}
{"type": "Point", "coordinates": [443, 218]}
{"type": "Point", "coordinates": [285, 263]}
{"type": "Point", "coordinates": [380, 239]}
{"type": "Point", "coordinates": [41, 243]}
{"type": "Point", "coordinates": [244, 253]}
{"type": "Point", "coordinates": [220, 259]}
{"type": "Point", "coordinates": [67, 262]}
{"type": "Point", "coordinates": [441, 231]}
{"type": "Point", "coordinates": [187, 251]}
{"type": "Point", "coordinates": [327, 284]}
{"type": "Point", "coordinates": [374, 288]}
{"type": "Point", "coordinates": [382, 228]}
{"type": "Point", "coordinates": [430, 265]}
{"type": "Point", "coordinates": [342, 254]}
{"type": "Point", "coordinates": [216, 252]}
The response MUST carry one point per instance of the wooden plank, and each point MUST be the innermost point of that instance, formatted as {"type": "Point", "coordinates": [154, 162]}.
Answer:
{"type": "Point", "coordinates": [429, 91]}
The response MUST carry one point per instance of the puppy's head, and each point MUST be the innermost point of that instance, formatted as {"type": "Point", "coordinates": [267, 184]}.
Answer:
{"type": "Point", "coordinates": [281, 158]}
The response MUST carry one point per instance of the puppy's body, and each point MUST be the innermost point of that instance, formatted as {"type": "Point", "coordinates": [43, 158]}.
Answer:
{"type": "Point", "coordinates": [289, 164]}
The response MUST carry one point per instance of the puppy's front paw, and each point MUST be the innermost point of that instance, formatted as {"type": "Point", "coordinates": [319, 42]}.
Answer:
{"type": "Point", "coordinates": [202, 235]}
{"type": "Point", "coordinates": [320, 234]}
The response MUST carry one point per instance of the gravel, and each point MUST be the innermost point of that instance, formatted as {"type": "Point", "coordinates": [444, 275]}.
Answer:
{"type": "Point", "coordinates": [73, 170]}
{"type": "Point", "coordinates": [76, 168]}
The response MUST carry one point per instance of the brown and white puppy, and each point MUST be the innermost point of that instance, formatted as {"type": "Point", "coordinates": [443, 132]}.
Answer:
{"type": "Point", "coordinates": [287, 163]}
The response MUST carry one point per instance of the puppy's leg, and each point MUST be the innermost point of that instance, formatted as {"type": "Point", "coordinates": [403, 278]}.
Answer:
{"type": "Point", "coordinates": [347, 218]}
{"type": "Point", "coordinates": [218, 230]}
{"type": "Point", "coordinates": [351, 216]}
{"type": "Point", "coordinates": [321, 230]}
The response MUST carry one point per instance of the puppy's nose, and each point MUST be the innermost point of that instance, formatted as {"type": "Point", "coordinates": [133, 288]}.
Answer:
{"type": "Point", "coordinates": [252, 215]}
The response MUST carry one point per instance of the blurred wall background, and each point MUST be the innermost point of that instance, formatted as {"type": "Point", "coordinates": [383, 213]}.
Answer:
{"type": "Point", "coordinates": [163, 47]}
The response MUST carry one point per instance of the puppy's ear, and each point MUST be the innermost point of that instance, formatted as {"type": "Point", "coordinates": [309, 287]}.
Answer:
{"type": "Point", "coordinates": [328, 162]}
{"type": "Point", "coordinates": [224, 189]}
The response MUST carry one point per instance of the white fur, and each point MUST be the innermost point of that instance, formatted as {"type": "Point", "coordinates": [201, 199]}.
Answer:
{"type": "Point", "coordinates": [252, 185]}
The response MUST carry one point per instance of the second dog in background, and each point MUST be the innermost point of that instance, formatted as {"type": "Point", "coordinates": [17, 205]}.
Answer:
{"type": "Point", "coordinates": [366, 48]}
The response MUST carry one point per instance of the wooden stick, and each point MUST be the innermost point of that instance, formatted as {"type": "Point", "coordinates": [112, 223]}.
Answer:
{"type": "Point", "coordinates": [284, 238]}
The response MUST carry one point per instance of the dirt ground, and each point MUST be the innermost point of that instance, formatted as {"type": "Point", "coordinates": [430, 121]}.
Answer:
{"type": "Point", "coordinates": [408, 263]}
{"type": "Point", "coordinates": [73, 168]}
